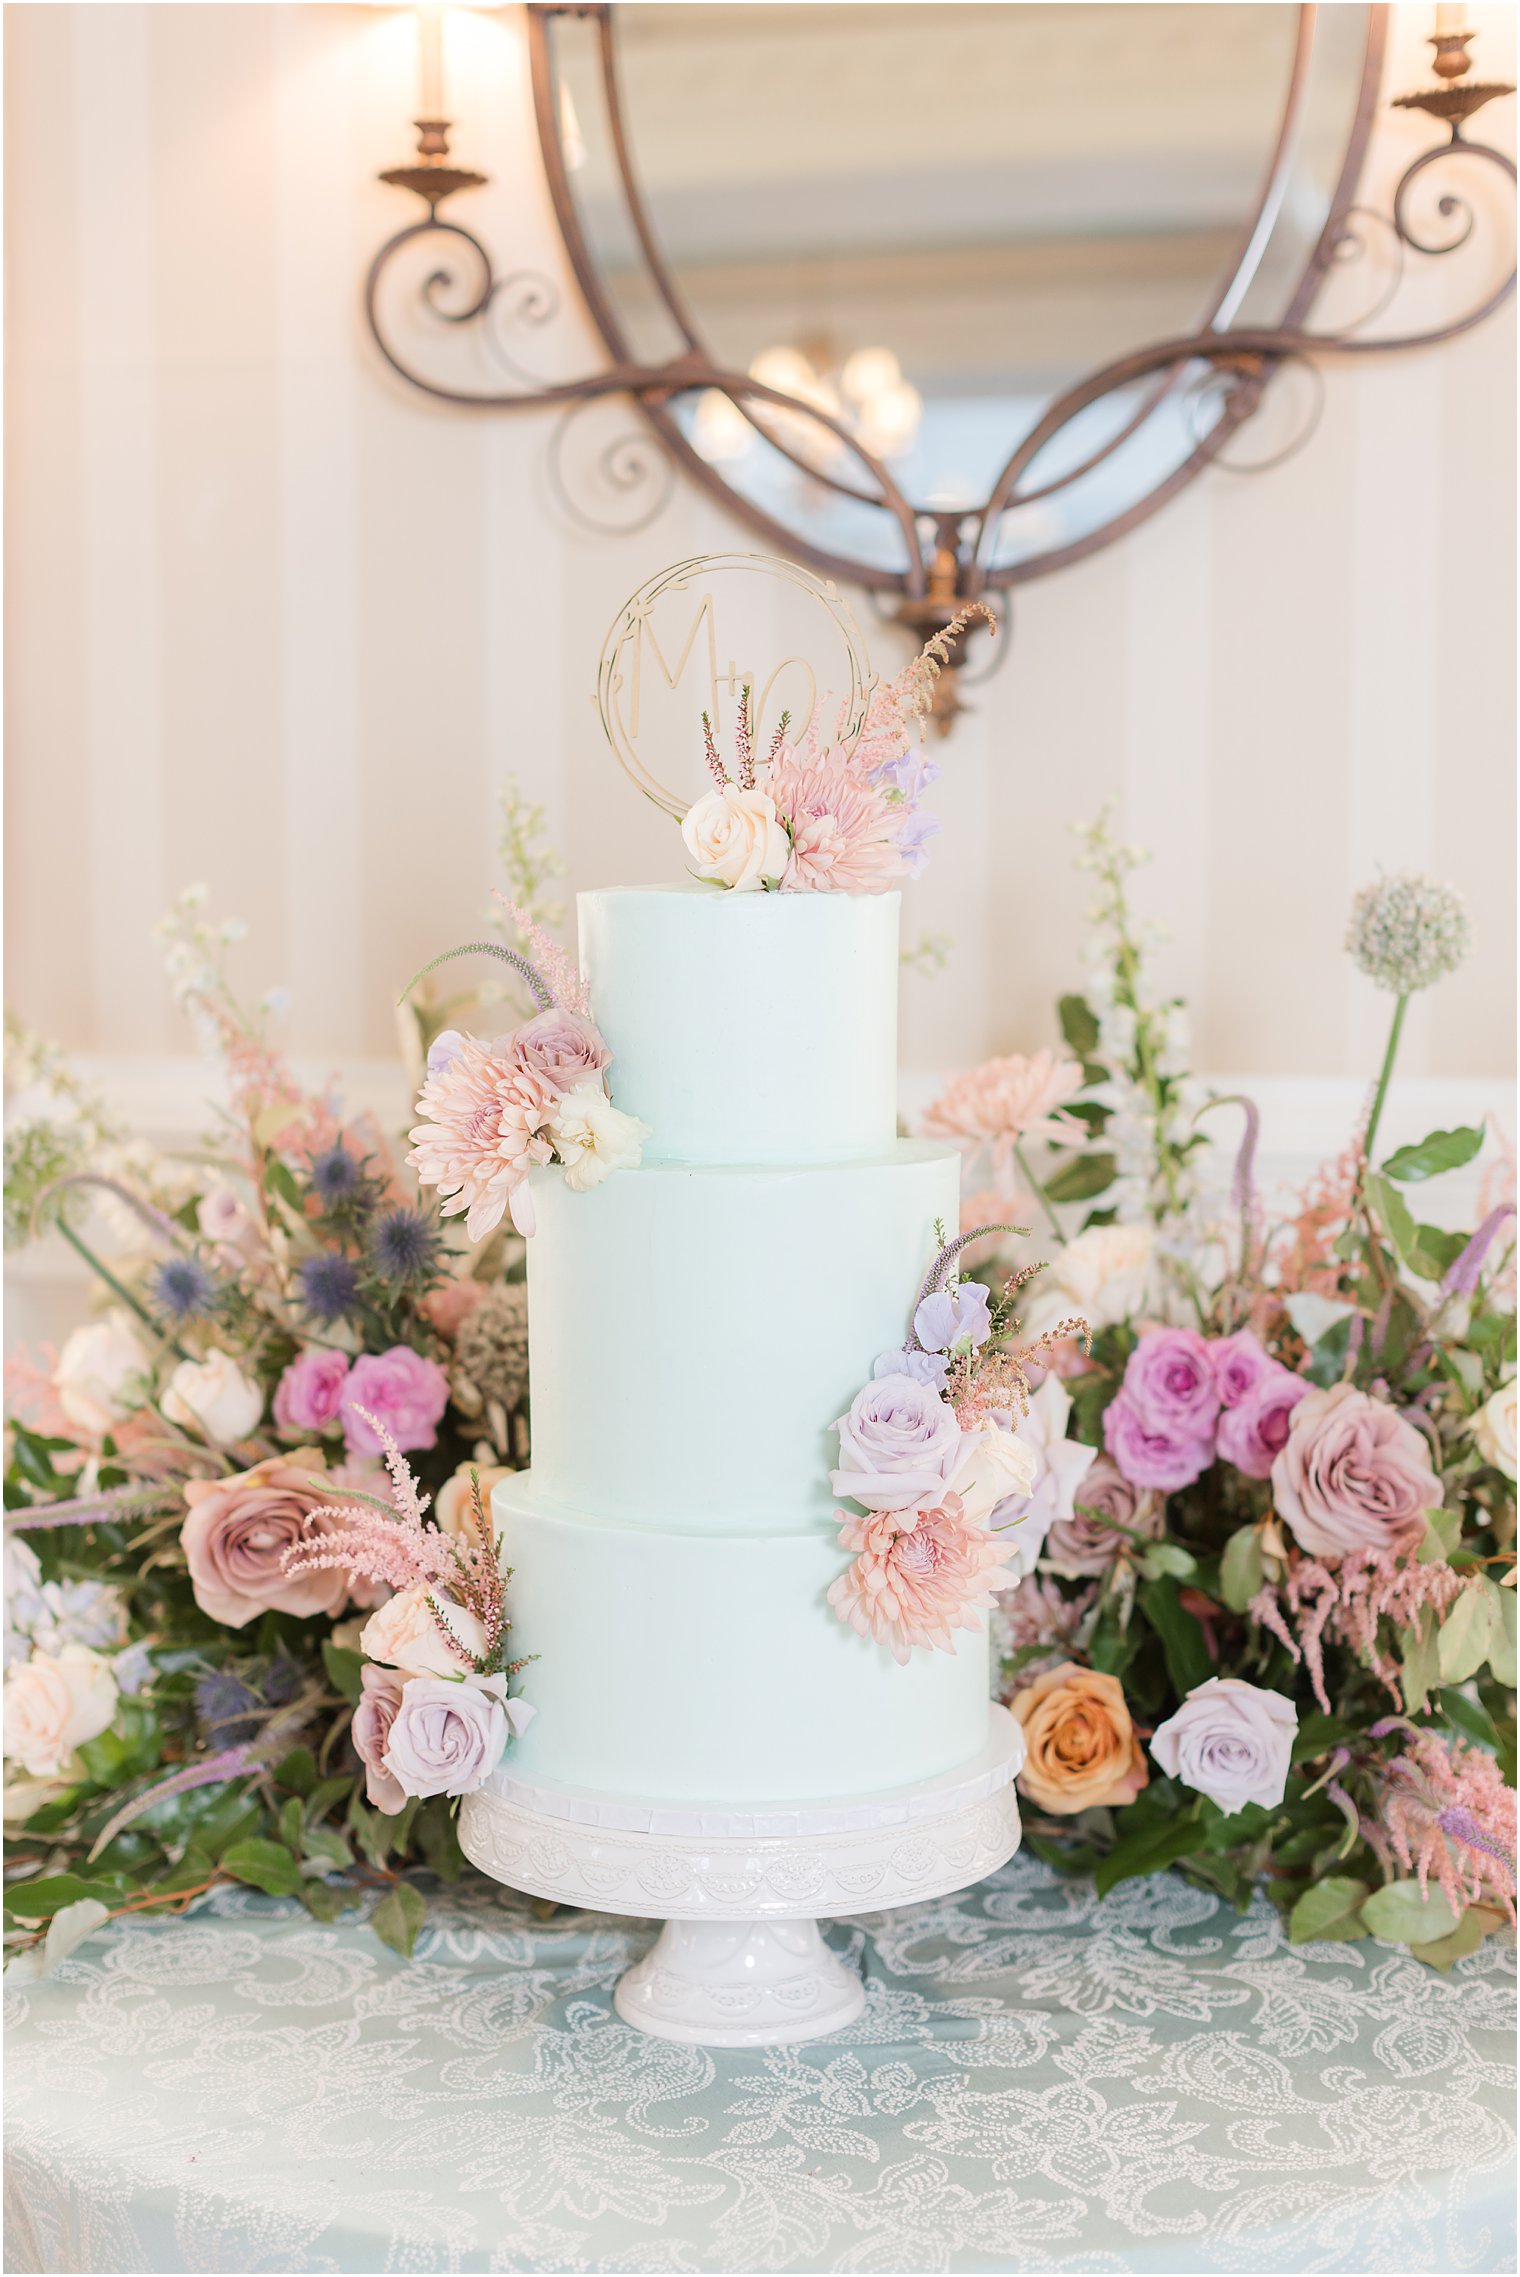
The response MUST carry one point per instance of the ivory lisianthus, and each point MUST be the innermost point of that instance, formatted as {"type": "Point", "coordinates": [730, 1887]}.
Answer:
{"type": "Point", "coordinates": [991, 1466]}
{"type": "Point", "coordinates": [918, 1576]}
{"type": "Point", "coordinates": [1058, 1467]}
{"type": "Point", "coordinates": [1083, 1749]}
{"type": "Point", "coordinates": [101, 1374]}
{"type": "Point", "coordinates": [593, 1138]}
{"type": "Point", "coordinates": [734, 838]}
{"type": "Point", "coordinates": [214, 1397]}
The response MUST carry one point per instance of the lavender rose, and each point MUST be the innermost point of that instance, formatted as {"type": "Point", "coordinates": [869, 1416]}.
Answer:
{"type": "Point", "coordinates": [447, 1736]}
{"type": "Point", "coordinates": [401, 1390]}
{"type": "Point", "coordinates": [238, 1530]}
{"type": "Point", "coordinates": [1089, 1541]}
{"type": "Point", "coordinates": [924, 1367]}
{"type": "Point", "coordinates": [309, 1396]}
{"type": "Point", "coordinates": [562, 1048]}
{"type": "Point", "coordinates": [1170, 1383]}
{"type": "Point", "coordinates": [1240, 1365]}
{"type": "Point", "coordinates": [1159, 1457]}
{"type": "Point", "coordinates": [1254, 1434]}
{"type": "Point", "coordinates": [1230, 1741]}
{"type": "Point", "coordinates": [1353, 1476]}
{"type": "Point", "coordinates": [897, 1446]}
{"type": "Point", "coordinates": [379, 1698]}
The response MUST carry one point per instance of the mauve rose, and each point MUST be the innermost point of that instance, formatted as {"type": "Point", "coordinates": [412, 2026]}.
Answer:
{"type": "Point", "coordinates": [897, 1446]}
{"type": "Point", "coordinates": [1253, 1435]}
{"type": "Point", "coordinates": [560, 1047]}
{"type": "Point", "coordinates": [1230, 1741]}
{"type": "Point", "coordinates": [1085, 1543]}
{"type": "Point", "coordinates": [1240, 1366]}
{"type": "Point", "coordinates": [379, 1698]}
{"type": "Point", "coordinates": [1160, 1458]}
{"type": "Point", "coordinates": [1170, 1384]}
{"type": "Point", "coordinates": [309, 1396]}
{"type": "Point", "coordinates": [236, 1535]}
{"type": "Point", "coordinates": [447, 1738]}
{"type": "Point", "coordinates": [401, 1390]}
{"type": "Point", "coordinates": [1353, 1476]}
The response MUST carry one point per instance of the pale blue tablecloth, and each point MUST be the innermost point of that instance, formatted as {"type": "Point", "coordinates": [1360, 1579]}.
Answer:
{"type": "Point", "coordinates": [1040, 2082]}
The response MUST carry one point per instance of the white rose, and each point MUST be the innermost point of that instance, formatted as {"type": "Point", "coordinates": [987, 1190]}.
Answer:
{"type": "Point", "coordinates": [733, 836]}
{"type": "Point", "coordinates": [991, 1464]}
{"type": "Point", "coordinates": [1493, 1427]}
{"type": "Point", "coordinates": [101, 1374]}
{"type": "Point", "coordinates": [1101, 1276]}
{"type": "Point", "coordinates": [593, 1138]}
{"type": "Point", "coordinates": [404, 1634]}
{"type": "Point", "coordinates": [1060, 1465]}
{"type": "Point", "coordinates": [226, 1220]}
{"type": "Point", "coordinates": [451, 1507]}
{"type": "Point", "coordinates": [53, 1704]}
{"type": "Point", "coordinates": [214, 1397]}
{"type": "Point", "coordinates": [1230, 1741]}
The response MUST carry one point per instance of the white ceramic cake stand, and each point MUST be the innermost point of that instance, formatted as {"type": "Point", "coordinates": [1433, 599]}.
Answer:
{"type": "Point", "coordinates": [740, 1962]}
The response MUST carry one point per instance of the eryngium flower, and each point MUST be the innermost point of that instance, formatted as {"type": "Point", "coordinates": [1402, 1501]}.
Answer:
{"type": "Point", "coordinates": [403, 1248]}
{"type": "Point", "coordinates": [1408, 932]}
{"type": "Point", "coordinates": [338, 1180]}
{"type": "Point", "coordinates": [491, 1351]}
{"type": "Point", "coordinates": [329, 1284]}
{"type": "Point", "coordinates": [183, 1289]}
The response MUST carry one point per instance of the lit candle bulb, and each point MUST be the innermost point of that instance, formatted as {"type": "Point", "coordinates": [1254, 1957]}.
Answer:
{"type": "Point", "coordinates": [430, 51]}
{"type": "Point", "coordinates": [1449, 22]}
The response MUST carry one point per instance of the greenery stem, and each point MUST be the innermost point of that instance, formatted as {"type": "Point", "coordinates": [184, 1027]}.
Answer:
{"type": "Point", "coordinates": [1389, 1056]}
{"type": "Point", "coordinates": [96, 1265]}
{"type": "Point", "coordinates": [1038, 1191]}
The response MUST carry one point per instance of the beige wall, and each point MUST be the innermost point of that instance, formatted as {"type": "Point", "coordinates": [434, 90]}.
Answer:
{"type": "Point", "coordinates": [277, 624]}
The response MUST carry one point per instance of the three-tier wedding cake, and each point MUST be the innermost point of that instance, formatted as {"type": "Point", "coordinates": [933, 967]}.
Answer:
{"type": "Point", "coordinates": [698, 1324]}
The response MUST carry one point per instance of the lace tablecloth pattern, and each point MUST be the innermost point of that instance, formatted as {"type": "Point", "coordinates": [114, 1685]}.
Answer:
{"type": "Point", "coordinates": [1040, 2082]}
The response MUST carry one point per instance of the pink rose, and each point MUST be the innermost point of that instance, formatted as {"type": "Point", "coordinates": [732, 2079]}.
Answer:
{"type": "Point", "coordinates": [401, 1390]}
{"type": "Point", "coordinates": [561, 1048]}
{"type": "Point", "coordinates": [1253, 1435]}
{"type": "Point", "coordinates": [897, 1446]}
{"type": "Point", "coordinates": [447, 1735]}
{"type": "Point", "coordinates": [1170, 1383]}
{"type": "Point", "coordinates": [1353, 1476]}
{"type": "Point", "coordinates": [309, 1395]}
{"type": "Point", "coordinates": [1240, 1366]}
{"type": "Point", "coordinates": [379, 1699]}
{"type": "Point", "coordinates": [1087, 1543]}
{"type": "Point", "coordinates": [1158, 1457]}
{"type": "Point", "coordinates": [236, 1535]}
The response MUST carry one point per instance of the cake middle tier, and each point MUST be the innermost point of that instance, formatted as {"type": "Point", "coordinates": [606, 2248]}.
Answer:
{"type": "Point", "coordinates": [695, 1333]}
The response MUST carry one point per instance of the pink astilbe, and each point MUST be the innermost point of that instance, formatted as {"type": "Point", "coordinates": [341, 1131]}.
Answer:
{"type": "Point", "coordinates": [484, 1125]}
{"type": "Point", "coordinates": [1344, 1603]}
{"type": "Point", "coordinates": [403, 1548]}
{"type": "Point", "coordinates": [898, 708]}
{"type": "Point", "coordinates": [1443, 1810]}
{"type": "Point", "coordinates": [918, 1575]}
{"type": "Point", "coordinates": [844, 831]}
{"type": "Point", "coordinates": [1303, 1257]}
{"type": "Point", "coordinates": [559, 969]}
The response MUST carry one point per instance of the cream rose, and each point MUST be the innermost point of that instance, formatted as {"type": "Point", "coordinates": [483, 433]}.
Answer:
{"type": "Point", "coordinates": [733, 836]}
{"type": "Point", "coordinates": [1100, 1276]}
{"type": "Point", "coordinates": [54, 1702]}
{"type": "Point", "coordinates": [214, 1397]}
{"type": "Point", "coordinates": [1493, 1429]}
{"type": "Point", "coordinates": [1083, 1750]}
{"type": "Point", "coordinates": [991, 1465]}
{"type": "Point", "coordinates": [101, 1374]}
{"type": "Point", "coordinates": [404, 1634]}
{"type": "Point", "coordinates": [452, 1506]}
{"type": "Point", "coordinates": [593, 1138]}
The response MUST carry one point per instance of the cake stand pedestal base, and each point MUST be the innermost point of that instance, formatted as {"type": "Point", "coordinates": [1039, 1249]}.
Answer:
{"type": "Point", "coordinates": [740, 1962]}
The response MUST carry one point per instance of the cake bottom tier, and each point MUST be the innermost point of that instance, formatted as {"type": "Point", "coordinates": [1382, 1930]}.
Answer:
{"type": "Point", "coordinates": [709, 1668]}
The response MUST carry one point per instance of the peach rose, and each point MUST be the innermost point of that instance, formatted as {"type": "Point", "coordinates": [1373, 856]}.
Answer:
{"type": "Point", "coordinates": [404, 1634]}
{"type": "Point", "coordinates": [451, 1510]}
{"type": "Point", "coordinates": [54, 1702]}
{"type": "Point", "coordinates": [1082, 1746]}
{"type": "Point", "coordinates": [238, 1531]}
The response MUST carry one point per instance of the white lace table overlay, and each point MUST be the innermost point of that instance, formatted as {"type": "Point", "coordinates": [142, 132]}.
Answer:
{"type": "Point", "coordinates": [1040, 2082]}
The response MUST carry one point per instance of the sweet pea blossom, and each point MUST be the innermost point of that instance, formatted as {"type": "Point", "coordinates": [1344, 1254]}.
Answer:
{"type": "Point", "coordinates": [924, 1367]}
{"type": "Point", "coordinates": [948, 1317]}
{"type": "Point", "coordinates": [593, 1138]}
{"type": "Point", "coordinates": [1230, 1741]}
{"type": "Point", "coordinates": [1060, 1466]}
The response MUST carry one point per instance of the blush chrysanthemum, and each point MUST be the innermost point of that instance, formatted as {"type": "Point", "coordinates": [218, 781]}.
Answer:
{"type": "Point", "coordinates": [918, 1576]}
{"type": "Point", "coordinates": [844, 831]}
{"type": "Point", "coordinates": [485, 1126]}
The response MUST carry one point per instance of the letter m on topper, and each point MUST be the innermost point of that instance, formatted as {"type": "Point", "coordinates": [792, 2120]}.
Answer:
{"type": "Point", "coordinates": [642, 632]}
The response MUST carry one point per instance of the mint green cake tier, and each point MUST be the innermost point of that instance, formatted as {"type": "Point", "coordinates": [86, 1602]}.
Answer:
{"type": "Point", "coordinates": [696, 1327]}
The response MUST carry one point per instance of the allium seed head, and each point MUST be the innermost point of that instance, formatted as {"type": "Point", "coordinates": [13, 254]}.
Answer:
{"type": "Point", "coordinates": [1408, 932]}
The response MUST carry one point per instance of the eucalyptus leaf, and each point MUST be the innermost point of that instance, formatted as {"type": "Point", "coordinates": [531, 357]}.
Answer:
{"type": "Point", "coordinates": [1329, 1912]}
{"type": "Point", "coordinates": [1442, 1151]}
{"type": "Point", "coordinates": [398, 1917]}
{"type": "Point", "coordinates": [1468, 1935]}
{"type": "Point", "coordinates": [1402, 1915]}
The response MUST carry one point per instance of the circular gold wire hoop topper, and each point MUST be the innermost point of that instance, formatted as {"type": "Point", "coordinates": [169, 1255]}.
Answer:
{"type": "Point", "coordinates": [673, 640]}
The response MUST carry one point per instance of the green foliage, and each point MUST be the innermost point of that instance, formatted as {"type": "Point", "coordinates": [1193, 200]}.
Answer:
{"type": "Point", "coordinates": [1329, 1912]}
{"type": "Point", "coordinates": [1084, 1175]}
{"type": "Point", "coordinates": [398, 1918]}
{"type": "Point", "coordinates": [1404, 1915]}
{"type": "Point", "coordinates": [1442, 1151]}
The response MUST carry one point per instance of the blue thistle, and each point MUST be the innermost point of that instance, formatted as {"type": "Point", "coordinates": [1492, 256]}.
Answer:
{"type": "Point", "coordinates": [329, 1285]}
{"type": "Point", "coordinates": [403, 1248]}
{"type": "Point", "coordinates": [226, 1708]}
{"type": "Point", "coordinates": [184, 1290]}
{"type": "Point", "coordinates": [338, 1180]}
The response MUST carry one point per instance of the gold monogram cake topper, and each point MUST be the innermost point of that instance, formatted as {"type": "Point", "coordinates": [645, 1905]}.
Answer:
{"type": "Point", "coordinates": [687, 643]}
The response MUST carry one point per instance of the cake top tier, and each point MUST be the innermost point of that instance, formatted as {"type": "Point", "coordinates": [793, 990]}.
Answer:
{"type": "Point", "coordinates": [747, 1027]}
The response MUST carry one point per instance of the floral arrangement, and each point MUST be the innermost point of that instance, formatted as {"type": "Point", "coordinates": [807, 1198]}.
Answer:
{"type": "Point", "coordinates": [255, 1627]}
{"type": "Point", "coordinates": [813, 817]}
{"type": "Point", "coordinates": [1262, 1620]}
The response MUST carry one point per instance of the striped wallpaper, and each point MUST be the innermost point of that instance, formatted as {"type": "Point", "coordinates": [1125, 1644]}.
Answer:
{"type": "Point", "coordinates": [276, 624]}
